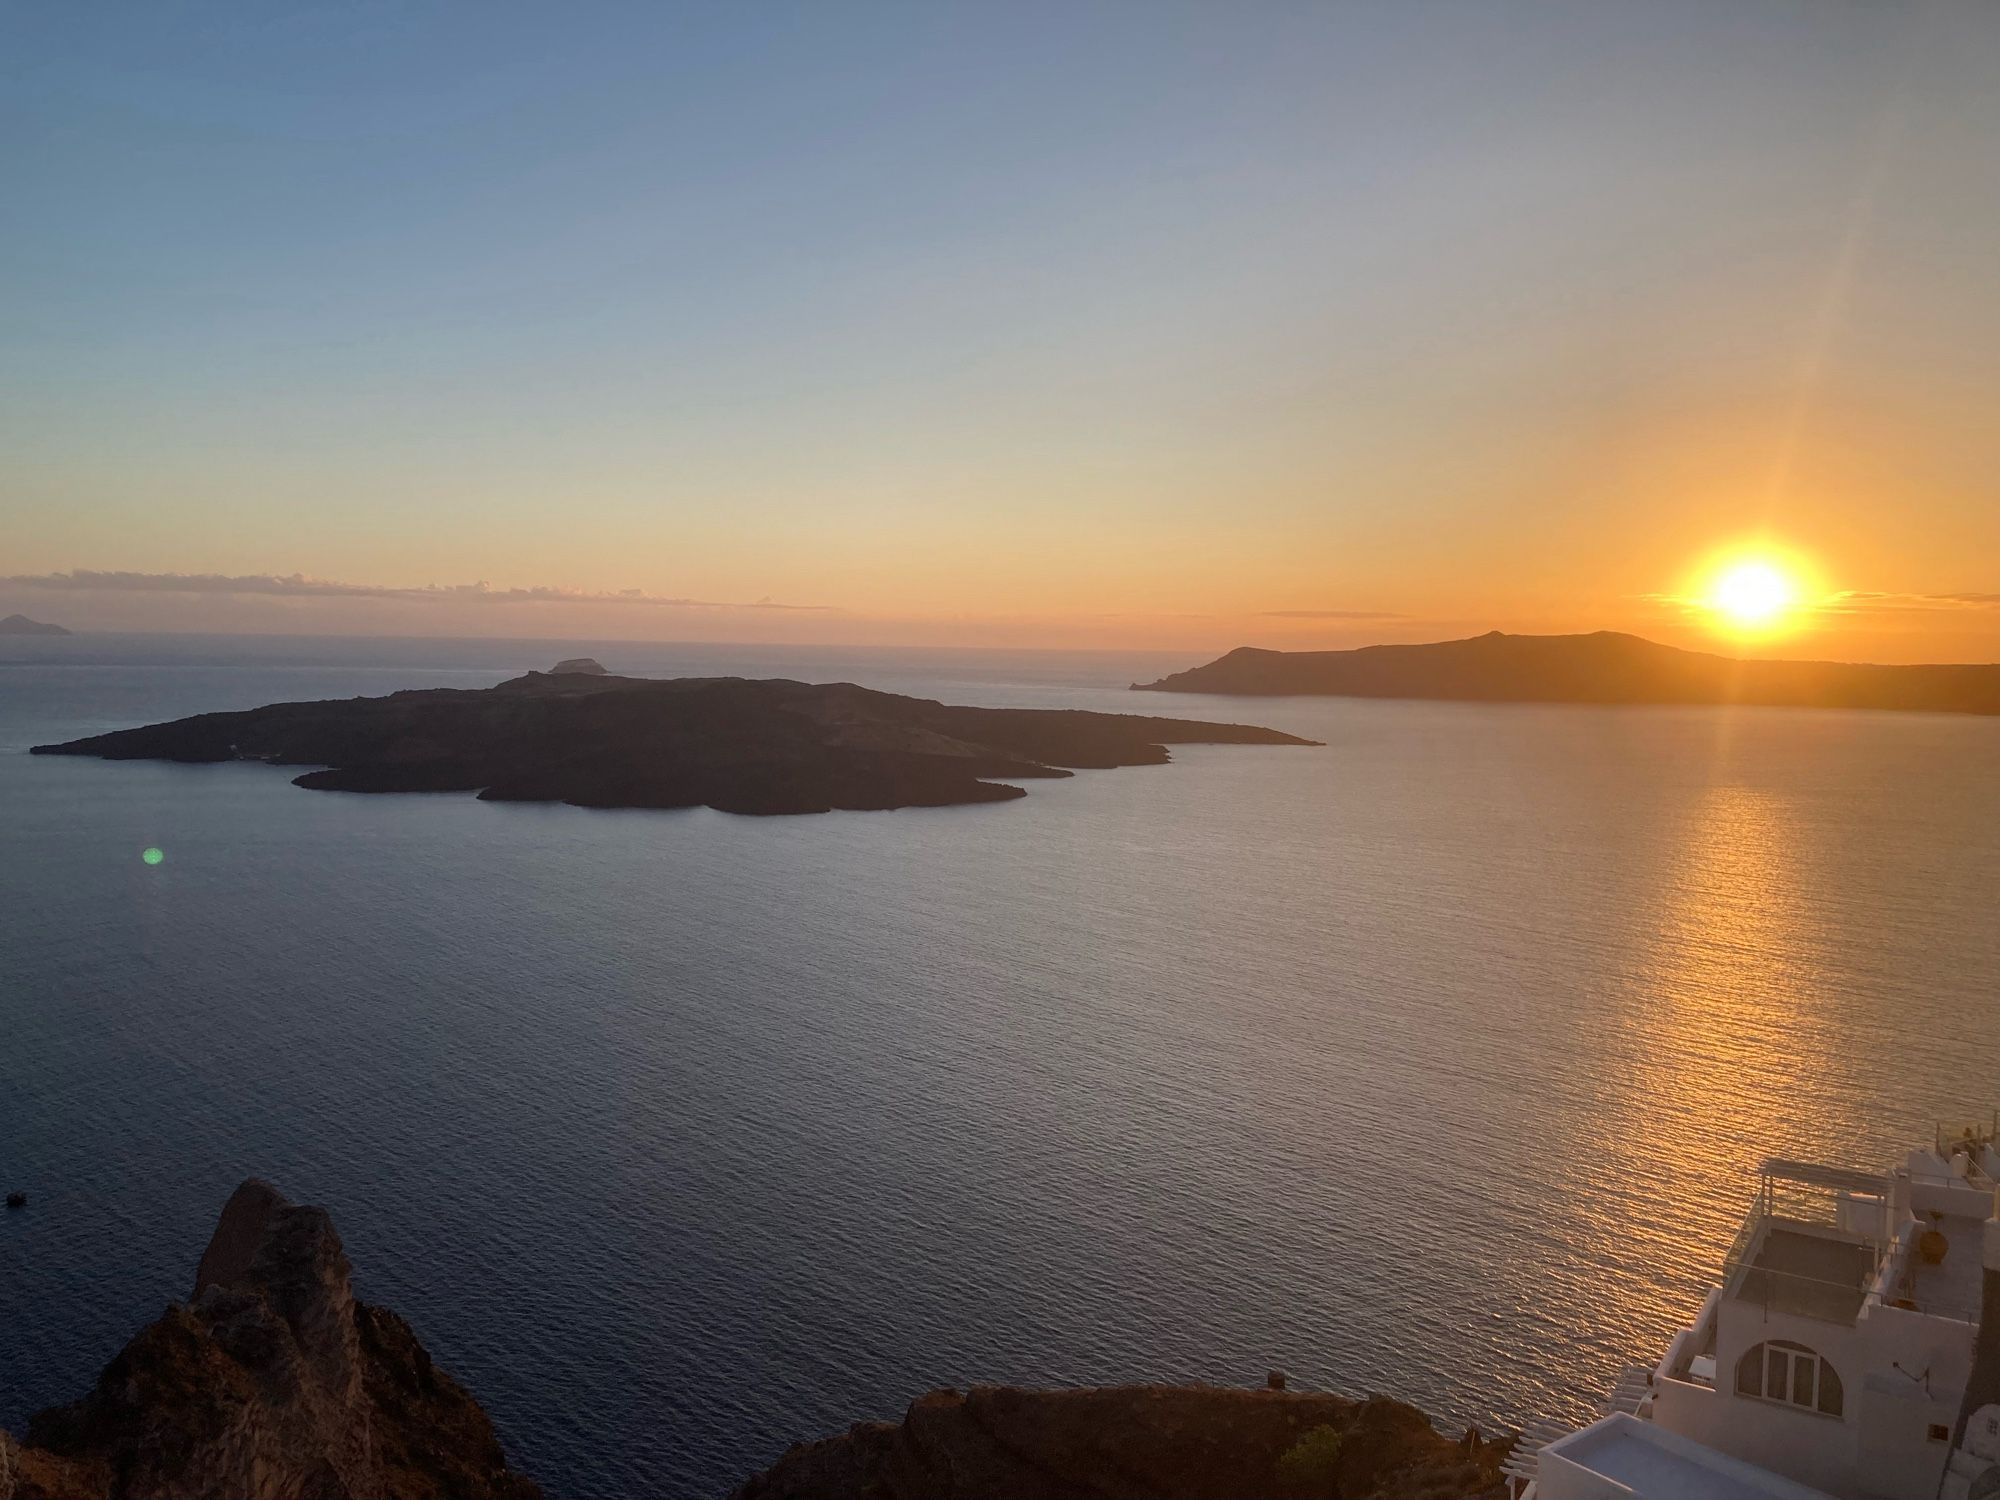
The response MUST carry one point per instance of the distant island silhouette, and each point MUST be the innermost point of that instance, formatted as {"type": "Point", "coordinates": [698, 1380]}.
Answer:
{"type": "Point", "coordinates": [581, 736]}
{"type": "Point", "coordinates": [22, 625]}
{"type": "Point", "coordinates": [1604, 667]}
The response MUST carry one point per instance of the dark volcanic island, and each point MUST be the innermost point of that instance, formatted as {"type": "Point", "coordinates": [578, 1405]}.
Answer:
{"type": "Point", "coordinates": [593, 740]}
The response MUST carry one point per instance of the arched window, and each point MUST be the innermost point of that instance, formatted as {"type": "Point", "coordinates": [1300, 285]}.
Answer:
{"type": "Point", "coordinates": [1783, 1371]}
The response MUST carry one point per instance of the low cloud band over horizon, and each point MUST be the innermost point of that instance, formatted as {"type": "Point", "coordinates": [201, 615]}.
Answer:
{"type": "Point", "coordinates": [300, 586]}
{"type": "Point", "coordinates": [1856, 602]}
{"type": "Point", "coordinates": [1853, 624]}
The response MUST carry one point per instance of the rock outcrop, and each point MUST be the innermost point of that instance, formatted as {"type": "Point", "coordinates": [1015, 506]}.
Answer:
{"type": "Point", "coordinates": [730, 743]}
{"type": "Point", "coordinates": [1139, 1443]}
{"type": "Point", "coordinates": [271, 1383]}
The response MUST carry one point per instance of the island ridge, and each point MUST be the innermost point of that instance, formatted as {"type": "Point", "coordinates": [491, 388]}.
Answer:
{"type": "Point", "coordinates": [1604, 667]}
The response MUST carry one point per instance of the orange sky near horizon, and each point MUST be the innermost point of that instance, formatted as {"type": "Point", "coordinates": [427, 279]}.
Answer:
{"type": "Point", "coordinates": [1009, 326]}
{"type": "Point", "coordinates": [1826, 623]}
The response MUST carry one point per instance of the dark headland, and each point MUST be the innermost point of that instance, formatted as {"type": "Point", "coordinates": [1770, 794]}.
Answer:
{"type": "Point", "coordinates": [273, 1380]}
{"type": "Point", "coordinates": [1606, 667]}
{"type": "Point", "coordinates": [22, 625]}
{"type": "Point", "coordinates": [587, 738]}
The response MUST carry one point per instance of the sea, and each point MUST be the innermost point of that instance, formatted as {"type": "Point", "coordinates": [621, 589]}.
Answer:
{"type": "Point", "coordinates": [1436, 1061]}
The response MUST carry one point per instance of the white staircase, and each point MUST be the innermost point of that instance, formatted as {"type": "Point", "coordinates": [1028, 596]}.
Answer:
{"type": "Point", "coordinates": [1633, 1394]}
{"type": "Point", "coordinates": [1524, 1463]}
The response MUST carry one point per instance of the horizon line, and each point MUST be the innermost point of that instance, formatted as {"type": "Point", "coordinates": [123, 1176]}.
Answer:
{"type": "Point", "coordinates": [1015, 650]}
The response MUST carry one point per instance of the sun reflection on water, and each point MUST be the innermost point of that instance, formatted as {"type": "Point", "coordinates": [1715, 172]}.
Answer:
{"type": "Point", "coordinates": [1722, 1038]}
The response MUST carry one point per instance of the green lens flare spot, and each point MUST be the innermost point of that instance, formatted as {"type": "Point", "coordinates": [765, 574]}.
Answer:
{"type": "Point", "coordinates": [154, 855]}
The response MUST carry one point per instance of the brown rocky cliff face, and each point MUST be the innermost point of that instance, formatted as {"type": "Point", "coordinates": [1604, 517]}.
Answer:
{"type": "Point", "coordinates": [1132, 1443]}
{"type": "Point", "coordinates": [273, 1383]}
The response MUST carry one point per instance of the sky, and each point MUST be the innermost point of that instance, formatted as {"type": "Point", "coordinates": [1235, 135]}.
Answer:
{"type": "Point", "coordinates": [1087, 323]}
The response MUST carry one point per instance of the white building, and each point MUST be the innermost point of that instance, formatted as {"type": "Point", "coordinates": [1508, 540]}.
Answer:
{"type": "Point", "coordinates": [1832, 1359]}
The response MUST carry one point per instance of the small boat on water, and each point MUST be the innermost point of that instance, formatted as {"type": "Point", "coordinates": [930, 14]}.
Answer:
{"type": "Point", "coordinates": [1850, 1350]}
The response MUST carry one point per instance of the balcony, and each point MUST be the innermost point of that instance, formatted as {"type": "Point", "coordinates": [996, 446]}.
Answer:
{"type": "Point", "coordinates": [1808, 1274]}
{"type": "Point", "coordinates": [1813, 1243]}
{"type": "Point", "coordinates": [1948, 1287]}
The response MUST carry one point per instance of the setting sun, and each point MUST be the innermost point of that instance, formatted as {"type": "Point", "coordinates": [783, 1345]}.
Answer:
{"type": "Point", "coordinates": [1754, 590]}
{"type": "Point", "coordinates": [1754, 594]}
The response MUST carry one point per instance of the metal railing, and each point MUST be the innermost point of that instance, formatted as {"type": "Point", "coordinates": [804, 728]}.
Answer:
{"type": "Point", "coordinates": [1825, 1299]}
{"type": "Point", "coordinates": [1888, 1276]}
{"type": "Point", "coordinates": [1900, 1284]}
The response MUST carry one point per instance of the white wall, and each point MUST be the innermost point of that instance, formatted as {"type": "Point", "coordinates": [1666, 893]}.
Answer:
{"type": "Point", "coordinates": [1897, 1459]}
{"type": "Point", "coordinates": [1879, 1447]}
{"type": "Point", "coordinates": [1814, 1449]}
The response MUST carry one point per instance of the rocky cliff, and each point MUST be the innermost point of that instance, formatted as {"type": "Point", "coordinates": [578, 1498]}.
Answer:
{"type": "Point", "coordinates": [273, 1383]}
{"type": "Point", "coordinates": [270, 1383]}
{"type": "Point", "coordinates": [1139, 1443]}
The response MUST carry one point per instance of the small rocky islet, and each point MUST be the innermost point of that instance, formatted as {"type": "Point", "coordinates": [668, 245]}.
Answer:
{"type": "Point", "coordinates": [22, 625]}
{"type": "Point", "coordinates": [584, 736]}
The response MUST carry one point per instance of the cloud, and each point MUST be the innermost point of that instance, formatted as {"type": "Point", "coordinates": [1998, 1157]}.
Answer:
{"type": "Point", "coordinates": [1853, 602]}
{"type": "Point", "coordinates": [299, 586]}
{"type": "Point", "coordinates": [1328, 614]}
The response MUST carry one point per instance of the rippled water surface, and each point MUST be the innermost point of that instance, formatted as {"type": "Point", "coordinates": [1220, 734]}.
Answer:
{"type": "Point", "coordinates": [1436, 1061]}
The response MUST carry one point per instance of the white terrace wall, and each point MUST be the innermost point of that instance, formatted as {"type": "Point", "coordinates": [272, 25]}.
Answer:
{"type": "Point", "coordinates": [1816, 1449]}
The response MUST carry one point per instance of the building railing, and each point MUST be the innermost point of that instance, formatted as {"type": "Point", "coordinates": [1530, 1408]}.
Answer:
{"type": "Point", "coordinates": [1811, 1199]}
{"type": "Point", "coordinates": [1884, 1279]}
{"type": "Point", "coordinates": [1696, 1341]}
{"type": "Point", "coordinates": [1899, 1284]}
{"type": "Point", "coordinates": [1959, 1310]}
{"type": "Point", "coordinates": [1824, 1299]}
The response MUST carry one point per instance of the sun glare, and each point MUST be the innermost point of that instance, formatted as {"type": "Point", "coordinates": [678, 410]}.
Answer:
{"type": "Point", "coordinates": [1754, 590]}
{"type": "Point", "coordinates": [1753, 594]}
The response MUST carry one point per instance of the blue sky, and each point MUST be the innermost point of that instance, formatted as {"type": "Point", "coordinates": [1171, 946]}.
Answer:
{"type": "Point", "coordinates": [946, 314]}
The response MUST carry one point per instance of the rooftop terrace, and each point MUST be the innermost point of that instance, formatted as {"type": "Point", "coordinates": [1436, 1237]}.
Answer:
{"type": "Point", "coordinates": [1651, 1463]}
{"type": "Point", "coordinates": [1809, 1273]}
{"type": "Point", "coordinates": [1951, 1287]}
{"type": "Point", "coordinates": [1813, 1242]}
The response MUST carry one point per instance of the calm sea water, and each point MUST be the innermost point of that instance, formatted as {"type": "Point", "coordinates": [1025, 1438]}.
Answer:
{"type": "Point", "coordinates": [1434, 1062]}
